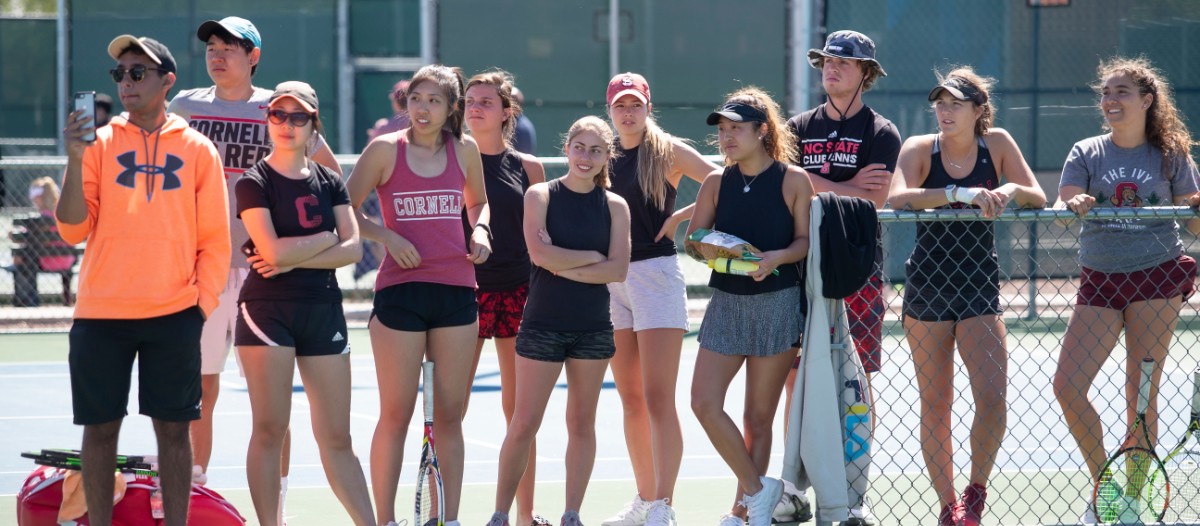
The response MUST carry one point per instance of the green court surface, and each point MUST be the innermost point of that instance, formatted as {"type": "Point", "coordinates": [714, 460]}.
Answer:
{"type": "Point", "coordinates": [1037, 478]}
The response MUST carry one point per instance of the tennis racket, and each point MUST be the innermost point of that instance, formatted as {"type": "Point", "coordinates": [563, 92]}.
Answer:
{"type": "Point", "coordinates": [1133, 485]}
{"type": "Point", "coordinates": [1183, 466]}
{"type": "Point", "coordinates": [430, 497]}
{"type": "Point", "coordinates": [70, 459]}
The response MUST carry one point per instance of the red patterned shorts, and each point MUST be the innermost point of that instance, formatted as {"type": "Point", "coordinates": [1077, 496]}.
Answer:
{"type": "Point", "coordinates": [500, 311]}
{"type": "Point", "coordinates": [864, 314]}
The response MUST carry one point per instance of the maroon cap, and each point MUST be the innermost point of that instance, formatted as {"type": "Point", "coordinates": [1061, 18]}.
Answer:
{"type": "Point", "coordinates": [628, 84]}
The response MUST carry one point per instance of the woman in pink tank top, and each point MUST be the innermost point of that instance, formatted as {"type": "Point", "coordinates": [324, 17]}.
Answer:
{"type": "Point", "coordinates": [425, 290]}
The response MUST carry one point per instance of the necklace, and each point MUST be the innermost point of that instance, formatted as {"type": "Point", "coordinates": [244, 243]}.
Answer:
{"type": "Point", "coordinates": [747, 184]}
{"type": "Point", "coordinates": [946, 158]}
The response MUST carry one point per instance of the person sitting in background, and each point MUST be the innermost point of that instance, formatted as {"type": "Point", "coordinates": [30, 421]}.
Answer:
{"type": "Point", "coordinates": [399, 119]}
{"type": "Point", "coordinates": [526, 139]}
{"type": "Point", "coordinates": [41, 250]}
{"type": "Point", "coordinates": [104, 107]}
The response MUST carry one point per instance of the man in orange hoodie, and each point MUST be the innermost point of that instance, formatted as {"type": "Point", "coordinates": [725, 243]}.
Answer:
{"type": "Point", "coordinates": [148, 195]}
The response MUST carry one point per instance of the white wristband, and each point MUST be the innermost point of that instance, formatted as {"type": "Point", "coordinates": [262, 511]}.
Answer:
{"type": "Point", "coordinates": [966, 195]}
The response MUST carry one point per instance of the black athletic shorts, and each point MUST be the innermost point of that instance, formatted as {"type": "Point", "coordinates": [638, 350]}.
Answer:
{"type": "Point", "coordinates": [313, 329]}
{"type": "Point", "coordinates": [167, 349]}
{"type": "Point", "coordinates": [419, 307]}
{"type": "Point", "coordinates": [559, 346]}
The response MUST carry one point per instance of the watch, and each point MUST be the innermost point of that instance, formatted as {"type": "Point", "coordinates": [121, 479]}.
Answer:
{"type": "Point", "coordinates": [950, 190]}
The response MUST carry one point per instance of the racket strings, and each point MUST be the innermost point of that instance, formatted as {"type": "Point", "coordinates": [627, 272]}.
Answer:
{"type": "Point", "coordinates": [1133, 487]}
{"type": "Point", "coordinates": [1184, 469]}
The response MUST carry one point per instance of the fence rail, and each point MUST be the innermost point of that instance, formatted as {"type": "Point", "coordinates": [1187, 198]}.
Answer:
{"type": "Point", "coordinates": [1039, 474]}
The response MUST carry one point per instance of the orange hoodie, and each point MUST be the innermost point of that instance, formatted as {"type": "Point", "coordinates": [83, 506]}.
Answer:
{"type": "Point", "coordinates": [157, 225]}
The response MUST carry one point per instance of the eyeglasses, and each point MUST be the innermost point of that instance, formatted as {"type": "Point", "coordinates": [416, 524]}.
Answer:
{"type": "Point", "coordinates": [136, 73]}
{"type": "Point", "coordinates": [298, 119]}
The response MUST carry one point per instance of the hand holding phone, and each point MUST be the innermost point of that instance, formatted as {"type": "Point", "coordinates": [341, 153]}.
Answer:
{"type": "Point", "coordinates": [85, 101]}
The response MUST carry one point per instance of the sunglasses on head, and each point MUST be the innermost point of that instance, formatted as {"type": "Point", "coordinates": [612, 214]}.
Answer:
{"type": "Point", "coordinates": [298, 119]}
{"type": "Point", "coordinates": [136, 73]}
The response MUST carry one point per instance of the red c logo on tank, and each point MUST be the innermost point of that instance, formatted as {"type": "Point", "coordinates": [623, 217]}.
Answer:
{"type": "Point", "coordinates": [308, 219]}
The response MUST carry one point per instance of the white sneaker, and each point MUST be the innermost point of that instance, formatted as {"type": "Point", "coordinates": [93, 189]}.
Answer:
{"type": "Point", "coordinates": [1088, 518]}
{"type": "Point", "coordinates": [660, 514]}
{"type": "Point", "coordinates": [760, 505]}
{"type": "Point", "coordinates": [731, 520]}
{"type": "Point", "coordinates": [198, 476]}
{"type": "Point", "coordinates": [634, 513]}
{"type": "Point", "coordinates": [793, 506]}
{"type": "Point", "coordinates": [860, 515]}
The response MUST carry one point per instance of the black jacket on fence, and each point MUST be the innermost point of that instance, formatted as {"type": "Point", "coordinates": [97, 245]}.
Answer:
{"type": "Point", "coordinates": [849, 236]}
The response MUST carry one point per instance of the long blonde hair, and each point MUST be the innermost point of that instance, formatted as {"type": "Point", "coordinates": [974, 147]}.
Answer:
{"type": "Point", "coordinates": [595, 125]}
{"type": "Point", "coordinates": [656, 154]}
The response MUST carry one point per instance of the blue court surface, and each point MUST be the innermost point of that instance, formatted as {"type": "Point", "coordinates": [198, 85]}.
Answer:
{"type": "Point", "coordinates": [1037, 479]}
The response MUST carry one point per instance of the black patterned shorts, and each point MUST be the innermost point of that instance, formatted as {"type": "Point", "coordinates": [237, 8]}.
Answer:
{"type": "Point", "coordinates": [559, 346]}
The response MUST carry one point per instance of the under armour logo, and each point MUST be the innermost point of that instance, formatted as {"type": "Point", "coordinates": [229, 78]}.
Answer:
{"type": "Point", "coordinates": [627, 81]}
{"type": "Point", "coordinates": [128, 178]}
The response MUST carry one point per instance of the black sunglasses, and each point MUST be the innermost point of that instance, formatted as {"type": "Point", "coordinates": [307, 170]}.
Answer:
{"type": "Point", "coordinates": [298, 119]}
{"type": "Point", "coordinates": [136, 73]}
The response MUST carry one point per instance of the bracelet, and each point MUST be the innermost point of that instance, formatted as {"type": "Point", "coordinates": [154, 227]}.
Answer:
{"type": "Point", "coordinates": [487, 229]}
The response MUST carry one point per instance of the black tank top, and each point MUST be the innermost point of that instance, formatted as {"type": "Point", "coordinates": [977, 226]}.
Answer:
{"type": "Point", "coordinates": [645, 219]}
{"type": "Point", "coordinates": [506, 181]}
{"type": "Point", "coordinates": [760, 216]}
{"type": "Point", "coordinates": [958, 241]}
{"type": "Point", "coordinates": [578, 222]}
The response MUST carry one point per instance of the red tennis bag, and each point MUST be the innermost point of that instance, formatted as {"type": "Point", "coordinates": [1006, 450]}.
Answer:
{"type": "Point", "coordinates": [40, 497]}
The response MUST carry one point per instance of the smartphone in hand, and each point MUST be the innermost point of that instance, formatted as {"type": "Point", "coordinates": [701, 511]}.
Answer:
{"type": "Point", "coordinates": [86, 101]}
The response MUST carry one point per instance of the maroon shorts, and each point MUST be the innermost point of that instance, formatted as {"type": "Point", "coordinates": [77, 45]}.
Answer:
{"type": "Point", "coordinates": [1116, 290]}
{"type": "Point", "coordinates": [864, 315]}
{"type": "Point", "coordinates": [500, 311]}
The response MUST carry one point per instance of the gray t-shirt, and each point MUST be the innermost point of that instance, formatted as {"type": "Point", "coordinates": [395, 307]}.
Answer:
{"type": "Point", "coordinates": [1127, 177]}
{"type": "Point", "coordinates": [239, 130]}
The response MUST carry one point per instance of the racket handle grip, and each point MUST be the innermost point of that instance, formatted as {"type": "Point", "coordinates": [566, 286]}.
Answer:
{"type": "Point", "coordinates": [427, 386]}
{"type": "Point", "coordinates": [1144, 385]}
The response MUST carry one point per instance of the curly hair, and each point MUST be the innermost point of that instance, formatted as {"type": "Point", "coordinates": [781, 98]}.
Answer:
{"type": "Point", "coordinates": [1165, 128]}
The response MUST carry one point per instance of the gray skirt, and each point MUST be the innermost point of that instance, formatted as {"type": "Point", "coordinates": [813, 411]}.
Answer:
{"type": "Point", "coordinates": [754, 325]}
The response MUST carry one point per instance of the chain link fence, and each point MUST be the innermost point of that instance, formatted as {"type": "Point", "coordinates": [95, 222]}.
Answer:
{"type": "Point", "coordinates": [1039, 476]}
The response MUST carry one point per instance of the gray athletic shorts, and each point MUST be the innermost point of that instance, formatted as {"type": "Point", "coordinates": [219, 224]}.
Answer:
{"type": "Point", "coordinates": [753, 325]}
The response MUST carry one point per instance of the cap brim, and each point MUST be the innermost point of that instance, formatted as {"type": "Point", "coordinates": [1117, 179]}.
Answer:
{"type": "Point", "coordinates": [815, 56]}
{"type": "Point", "coordinates": [633, 92]}
{"type": "Point", "coordinates": [207, 29]}
{"type": "Point", "coordinates": [302, 104]}
{"type": "Point", "coordinates": [936, 92]}
{"type": "Point", "coordinates": [122, 42]}
{"type": "Point", "coordinates": [715, 117]}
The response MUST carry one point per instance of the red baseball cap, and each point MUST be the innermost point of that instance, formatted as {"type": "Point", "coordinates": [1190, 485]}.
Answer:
{"type": "Point", "coordinates": [628, 84]}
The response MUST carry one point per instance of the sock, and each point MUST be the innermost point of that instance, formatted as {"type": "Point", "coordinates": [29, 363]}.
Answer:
{"type": "Point", "coordinates": [283, 482]}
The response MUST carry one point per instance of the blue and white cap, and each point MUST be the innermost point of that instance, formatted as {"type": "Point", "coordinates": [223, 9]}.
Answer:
{"type": "Point", "coordinates": [234, 25]}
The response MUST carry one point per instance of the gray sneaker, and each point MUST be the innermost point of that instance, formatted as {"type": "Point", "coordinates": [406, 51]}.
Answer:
{"type": "Point", "coordinates": [498, 519]}
{"type": "Point", "coordinates": [760, 506]}
{"type": "Point", "coordinates": [571, 518]}
{"type": "Point", "coordinates": [660, 514]}
{"type": "Point", "coordinates": [634, 514]}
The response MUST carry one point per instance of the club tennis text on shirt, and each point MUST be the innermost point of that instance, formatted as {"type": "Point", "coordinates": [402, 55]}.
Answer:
{"type": "Point", "coordinates": [246, 143]}
{"type": "Point", "coordinates": [819, 151]}
{"type": "Point", "coordinates": [428, 205]}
